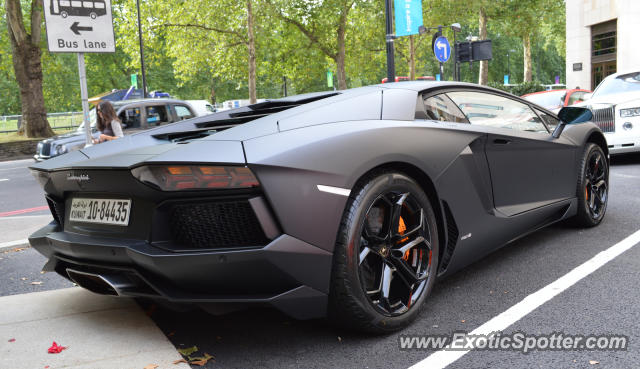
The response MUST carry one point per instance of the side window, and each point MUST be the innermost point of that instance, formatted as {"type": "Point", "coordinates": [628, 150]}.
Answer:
{"type": "Point", "coordinates": [440, 107]}
{"type": "Point", "coordinates": [576, 97]}
{"type": "Point", "coordinates": [497, 111]}
{"type": "Point", "coordinates": [156, 115]}
{"type": "Point", "coordinates": [550, 120]}
{"type": "Point", "coordinates": [130, 118]}
{"type": "Point", "coordinates": [182, 112]}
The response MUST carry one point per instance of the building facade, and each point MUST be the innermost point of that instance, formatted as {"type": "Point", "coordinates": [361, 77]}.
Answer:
{"type": "Point", "coordinates": [603, 37]}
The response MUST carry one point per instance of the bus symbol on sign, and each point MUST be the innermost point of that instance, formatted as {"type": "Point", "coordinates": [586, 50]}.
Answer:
{"type": "Point", "coordinates": [65, 8]}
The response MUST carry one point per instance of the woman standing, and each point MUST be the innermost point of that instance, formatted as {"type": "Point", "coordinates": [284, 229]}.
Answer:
{"type": "Point", "coordinates": [107, 122]}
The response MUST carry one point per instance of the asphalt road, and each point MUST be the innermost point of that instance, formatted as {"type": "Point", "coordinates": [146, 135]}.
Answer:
{"type": "Point", "coordinates": [605, 302]}
{"type": "Point", "coordinates": [18, 188]}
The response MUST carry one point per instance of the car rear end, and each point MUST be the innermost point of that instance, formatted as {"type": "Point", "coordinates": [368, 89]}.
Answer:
{"type": "Point", "coordinates": [190, 233]}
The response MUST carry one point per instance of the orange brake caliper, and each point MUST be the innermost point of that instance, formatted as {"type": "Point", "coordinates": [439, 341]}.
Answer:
{"type": "Point", "coordinates": [401, 229]}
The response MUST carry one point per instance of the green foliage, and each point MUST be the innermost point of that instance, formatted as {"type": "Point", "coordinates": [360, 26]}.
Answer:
{"type": "Point", "coordinates": [198, 49]}
{"type": "Point", "coordinates": [519, 89]}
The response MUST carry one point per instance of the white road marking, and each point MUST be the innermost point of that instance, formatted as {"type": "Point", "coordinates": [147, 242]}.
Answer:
{"type": "Point", "coordinates": [442, 359]}
{"type": "Point", "coordinates": [334, 190]}
{"type": "Point", "coordinates": [625, 175]}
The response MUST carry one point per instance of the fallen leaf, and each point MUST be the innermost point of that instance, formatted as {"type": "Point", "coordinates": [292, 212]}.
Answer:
{"type": "Point", "coordinates": [188, 351]}
{"type": "Point", "coordinates": [42, 272]}
{"type": "Point", "coordinates": [55, 349]}
{"type": "Point", "coordinates": [435, 326]}
{"type": "Point", "coordinates": [36, 283]}
{"type": "Point", "coordinates": [463, 321]}
{"type": "Point", "coordinates": [180, 361]}
{"type": "Point", "coordinates": [150, 366]}
{"type": "Point", "coordinates": [19, 249]}
{"type": "Point", "coordinates": [200, 361]}
{"type": "Point", "coordinates": [12, 340]}
{"type": "Point", "coordinates": [593, 362]}
{"type": "Point", "coordinates": [23, 279]}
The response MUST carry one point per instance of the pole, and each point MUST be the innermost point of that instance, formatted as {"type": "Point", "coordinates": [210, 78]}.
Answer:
{"type": "Point", "coordinates": [85, 99]}
{"type": "Point", "coordinates": [508, 70]}
{"type": "Point", "coordinates": [391, 66]}
{"type": "Point", "coordinates": [441, 71]}
{"type": "Point", "coordinates": [144, 75]}
{"type": "Point", "coordinates": [284, 81]}
{"type": "Point", "coordinates": [456, 70]}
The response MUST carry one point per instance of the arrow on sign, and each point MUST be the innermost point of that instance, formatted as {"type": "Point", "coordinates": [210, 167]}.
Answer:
{"type": "Point", "coordinates": [442, 45]}
{"type": "Point", "coordinates": [76, 28]}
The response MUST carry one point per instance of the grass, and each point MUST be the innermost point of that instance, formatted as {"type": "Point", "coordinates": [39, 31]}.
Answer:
{"type": "Point", "coordinates": [12, 137]}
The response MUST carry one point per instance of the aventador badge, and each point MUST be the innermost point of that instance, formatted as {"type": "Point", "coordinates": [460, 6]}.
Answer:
{"type": "Point", "coordinates": [77, 177]}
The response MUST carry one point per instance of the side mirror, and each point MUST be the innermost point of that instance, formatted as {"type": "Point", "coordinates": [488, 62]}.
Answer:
{"type": "Point", "coordinates": [571, 115]}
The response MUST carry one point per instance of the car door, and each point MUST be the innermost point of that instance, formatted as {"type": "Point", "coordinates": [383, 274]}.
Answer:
{"type": "Point", "coordinates": [529, 168]}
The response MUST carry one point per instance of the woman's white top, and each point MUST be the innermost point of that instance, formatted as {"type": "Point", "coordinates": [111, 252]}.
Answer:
{"type": "Point", "coordinates": [116, 128]}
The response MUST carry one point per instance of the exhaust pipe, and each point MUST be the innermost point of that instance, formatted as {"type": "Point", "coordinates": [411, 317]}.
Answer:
{"type": "Point", "coordinates": [112, 285]}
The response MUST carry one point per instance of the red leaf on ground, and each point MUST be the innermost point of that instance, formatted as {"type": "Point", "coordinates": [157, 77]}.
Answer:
{"type": "Point", "coordinates": [12, 340]}
{"type": "Point", "coordinates": [55, 349]}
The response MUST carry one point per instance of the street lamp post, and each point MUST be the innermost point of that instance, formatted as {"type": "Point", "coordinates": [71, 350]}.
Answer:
{"type": "Point", "coordinates": [144, 75]}
{"type": "Point", "coordinates": [391, 66]}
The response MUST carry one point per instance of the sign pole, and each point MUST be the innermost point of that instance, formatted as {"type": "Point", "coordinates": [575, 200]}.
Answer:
{"type": "Point", "coordinates": [85, 98]}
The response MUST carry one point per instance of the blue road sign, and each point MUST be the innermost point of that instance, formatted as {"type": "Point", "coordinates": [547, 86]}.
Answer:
{"type": "Point", "coordinates": [442, 49]}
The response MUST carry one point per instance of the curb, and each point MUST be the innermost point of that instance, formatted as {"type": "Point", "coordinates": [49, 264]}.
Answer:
{"type": "Point", "coordinates": [8, 246]}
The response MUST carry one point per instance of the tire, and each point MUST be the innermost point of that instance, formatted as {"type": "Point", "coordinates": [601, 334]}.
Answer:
{"type": "Point", "coordinates": [593, 187]}
{"type": "Point", "coordinates": [381, 274]}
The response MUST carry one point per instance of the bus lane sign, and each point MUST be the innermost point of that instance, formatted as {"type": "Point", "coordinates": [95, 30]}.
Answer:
{"type": "Point", "coordinates": [79, 26]}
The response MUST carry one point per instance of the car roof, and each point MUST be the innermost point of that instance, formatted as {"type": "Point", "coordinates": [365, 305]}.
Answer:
{"type": "Point", "coordinates": [148, 101]}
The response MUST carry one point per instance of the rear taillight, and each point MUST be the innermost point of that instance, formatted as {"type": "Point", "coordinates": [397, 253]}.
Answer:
{"type": "Point", "coordinates": [195, 177]}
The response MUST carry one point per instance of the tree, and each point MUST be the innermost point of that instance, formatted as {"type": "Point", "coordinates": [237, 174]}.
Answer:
{"type": "Point", "coordinates": [324, 24]}
{"type": "Point", "coordinates": [27, 66]}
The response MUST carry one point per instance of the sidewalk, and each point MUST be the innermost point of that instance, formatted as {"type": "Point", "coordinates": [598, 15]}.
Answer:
{"type": "Point", "coordinates": [99, 331]}
{"type": "Point", "coordinates": [15, 230]}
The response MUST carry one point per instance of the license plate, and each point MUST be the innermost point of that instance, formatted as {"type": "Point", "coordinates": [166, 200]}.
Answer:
{"type": "Point", "coordinates": [102, 211]}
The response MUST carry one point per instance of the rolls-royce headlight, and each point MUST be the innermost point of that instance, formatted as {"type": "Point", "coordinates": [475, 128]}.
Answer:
{"type": "Point", "coordinates": [632, 112]}
{"type": "Point", "coordinates": [61, 149]}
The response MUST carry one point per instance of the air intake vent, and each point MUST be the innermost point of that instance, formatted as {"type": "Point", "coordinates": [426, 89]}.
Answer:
{"type": "Point", "coordinates": [452, 238]}
{"type": "Point", "coordinates": [216, 225]}
{"type": "Point", "coordinates": [57, 210]}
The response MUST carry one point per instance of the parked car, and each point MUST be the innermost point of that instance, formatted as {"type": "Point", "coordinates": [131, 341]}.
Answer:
{"type": "Point", "coordinates": [341, 203]}
{"type": "Point", "coordinates": [615, 104]}
{"type": "Point", "coordinates": [135, 115]}
{"type": "Point", "coordinates": [554, 100]}
{"type": "Point", "coordinates": [202, 107]}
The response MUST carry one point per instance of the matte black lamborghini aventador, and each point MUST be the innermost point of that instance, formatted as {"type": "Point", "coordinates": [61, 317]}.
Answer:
{"type": "Point", "coordinates": [348, 204]}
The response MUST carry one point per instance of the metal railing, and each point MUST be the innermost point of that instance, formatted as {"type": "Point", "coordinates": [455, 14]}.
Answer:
{"type": "Point", "coordinates": [64, 120]}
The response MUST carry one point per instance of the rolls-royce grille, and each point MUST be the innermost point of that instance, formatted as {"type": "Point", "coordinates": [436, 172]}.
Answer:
{"type": "Point", "coordinates": [604, 118]}
{"type": "Point", "coordinates": [44, 148]}
{"type": "Point", "coordinates": [216, 225]}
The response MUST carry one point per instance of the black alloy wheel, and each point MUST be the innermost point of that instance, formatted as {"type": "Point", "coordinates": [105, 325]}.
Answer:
{"type": "Point", "coordinates": [593, 187]}
{"type": "Point", "coordinates": [395, 253]}
{"type": "Point", "coordinates": [386, 255]}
